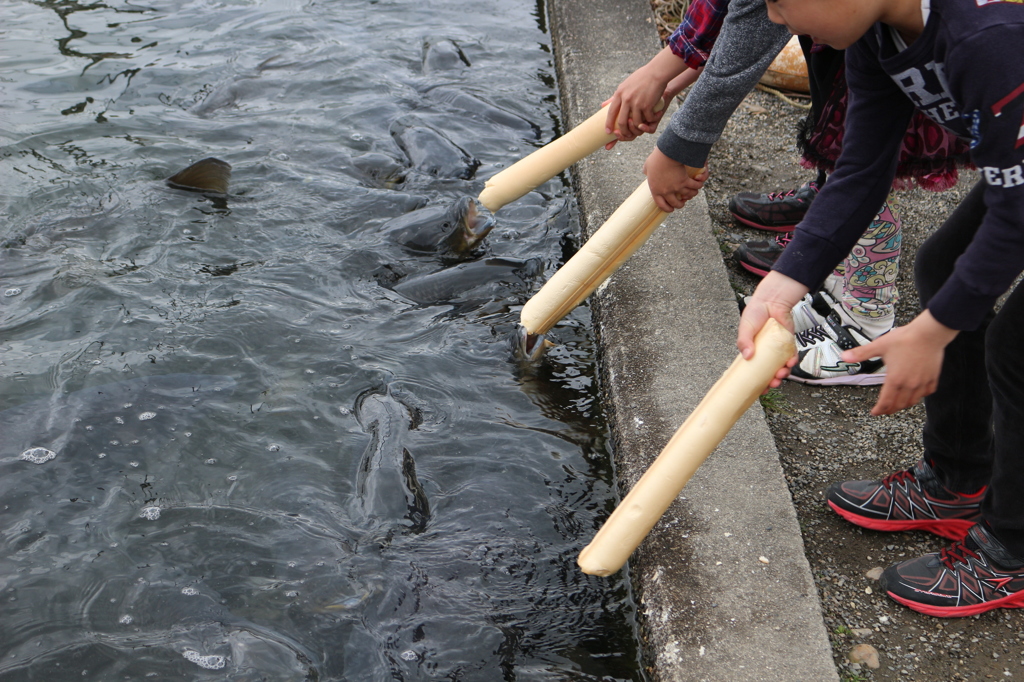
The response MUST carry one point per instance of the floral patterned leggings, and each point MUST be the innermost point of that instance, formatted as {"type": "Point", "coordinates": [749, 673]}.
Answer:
{"type": "Point", "coordinates": [865, 282]}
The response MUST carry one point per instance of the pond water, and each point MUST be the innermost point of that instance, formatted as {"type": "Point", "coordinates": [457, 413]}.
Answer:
{"type": "Point", "coordinates": [239, 439]}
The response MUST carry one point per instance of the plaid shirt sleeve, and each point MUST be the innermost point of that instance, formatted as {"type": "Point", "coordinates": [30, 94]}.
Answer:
{"type": "Point", "coordinates": [696, 35]}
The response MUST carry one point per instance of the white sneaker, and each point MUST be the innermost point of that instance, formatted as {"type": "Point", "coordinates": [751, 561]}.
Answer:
{"type": "Point", "coordinates": [820, 349]}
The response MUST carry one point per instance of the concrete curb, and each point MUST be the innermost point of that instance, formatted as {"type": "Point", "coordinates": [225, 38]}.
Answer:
{"type": "Point", "coordinates": [710, 608]}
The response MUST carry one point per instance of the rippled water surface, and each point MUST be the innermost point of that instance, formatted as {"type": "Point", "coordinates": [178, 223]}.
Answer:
{"type": "Point", "coordinates": [239, 439]}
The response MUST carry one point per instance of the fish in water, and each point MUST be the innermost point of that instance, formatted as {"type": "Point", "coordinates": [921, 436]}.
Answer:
{"type": "Point", "coordinates": [454, 283]}
{"type": "Point", "coordinates": [477, 107]}
{"type": "Point", "coordinates": [454, 229]}
{"type": "Point", "coordinates": [387, 489]}
{"type": "Point", "coordinates": [208, 175]}
{"type": "Point", "coordinates": [431, 152]}
{"type": "Point", "coordinates": [527, 347]}
{"type": "Point", "coordinates": [443, 55]}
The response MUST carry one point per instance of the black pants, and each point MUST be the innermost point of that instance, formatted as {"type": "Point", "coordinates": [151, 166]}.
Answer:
{"type": "Point", "coordinates": [974, 429]}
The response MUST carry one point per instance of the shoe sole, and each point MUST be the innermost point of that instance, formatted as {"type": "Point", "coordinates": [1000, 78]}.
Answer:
{"type": "Point", "coordinates": [1010, 601]}
{"type": "Point", "coordinates": [754, 269]}
{"type": "Point", "coordinates": [845, 380]}
{"type": "Point", "coordinates": [951, 529]}
{"type": "Point", "coordinates": [759, 226]}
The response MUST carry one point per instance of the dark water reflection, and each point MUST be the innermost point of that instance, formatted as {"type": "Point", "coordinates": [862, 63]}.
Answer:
{"type": "Point", "coordinates": [220, 378]}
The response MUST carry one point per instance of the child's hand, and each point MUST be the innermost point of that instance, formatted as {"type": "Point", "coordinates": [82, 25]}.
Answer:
{"type": "Point", "coordinates": [631, 109]}
{"type": "Point", "coordinates": [670, 181]}
{"type": "Point", "coordinates": [913, 360]}
{"type": "Point", "coordinates": [774, 298]}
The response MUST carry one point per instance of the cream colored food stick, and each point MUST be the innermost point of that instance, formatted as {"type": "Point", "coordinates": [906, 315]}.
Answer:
{"type": "Point", "coordinates": [701, 433]}
{"type": "Point", "coordinates": [534, 170]}
{"type": "Point", "coordinates": [615, 241]}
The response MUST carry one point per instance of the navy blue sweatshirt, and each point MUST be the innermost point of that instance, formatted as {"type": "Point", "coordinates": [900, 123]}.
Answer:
{"type": "Point", "coordinates": [966, 72]}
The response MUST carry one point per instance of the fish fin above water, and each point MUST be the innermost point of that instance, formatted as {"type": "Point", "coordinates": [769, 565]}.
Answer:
{"type": "Point", "coordinates": [207, 175]}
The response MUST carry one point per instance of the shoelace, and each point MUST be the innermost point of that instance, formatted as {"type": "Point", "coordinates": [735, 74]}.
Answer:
{"type": "Point", "coordinates": [811, 336]}
{"type": "Point", "coordinates": [956, 553]}
{"type": "Point", "coordinates": [898, 477]}
{"type": "Point", "coordinates": [776, 196]}
{"type": "Point", "coordinates": [783, 239]}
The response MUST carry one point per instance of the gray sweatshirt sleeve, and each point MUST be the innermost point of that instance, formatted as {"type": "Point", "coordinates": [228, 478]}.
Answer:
{"type": "Point", "coordinates": [744, 50]}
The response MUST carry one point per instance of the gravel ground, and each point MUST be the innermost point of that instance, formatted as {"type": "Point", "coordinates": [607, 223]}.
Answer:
{"type": "Point", "coordinates": [825, 434]}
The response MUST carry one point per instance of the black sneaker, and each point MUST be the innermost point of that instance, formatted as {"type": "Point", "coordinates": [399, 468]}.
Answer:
{"type": "Point", "coordinates": [759, 257]}
{"type": "Point", "coordinates": [972, 576]}
{"type": "Point", "coordinates": [914, 499]}
{"type": "Point", "coordinates": [779, 211]}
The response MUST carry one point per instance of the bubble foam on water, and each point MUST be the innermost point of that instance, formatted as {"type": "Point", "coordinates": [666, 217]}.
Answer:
{"type": "Point", "coordinates": [146, 416]}
{"type": "Point", "coordinates": [119, 420]}
{"type": "Point", "coordinates": [150, 513]}
{"type": "Point", "coordinates": [125, 620]}
{"type": "Point", "coordinates": [409, 655]}
{"type": "Point", "coordinates": [273, 447]}
{"type": "Point", "coordinates": [38, 455]}
{"type": "Point", "coordinates": [189, 591]}
{"type": "Point", "coordinates": [208, 662]}
{"type": "Point", "coordinates": [13, 291]}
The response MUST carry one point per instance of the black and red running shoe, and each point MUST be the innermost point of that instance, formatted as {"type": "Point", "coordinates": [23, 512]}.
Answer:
{"type": "Point", "coordinates": [914, 499]}
{"type": "Point", "coordinates": [972, 576]}
{"type": "Point", "coordinates": [758, 257]}
{"type": "Point", "coordinates": [778, 211]}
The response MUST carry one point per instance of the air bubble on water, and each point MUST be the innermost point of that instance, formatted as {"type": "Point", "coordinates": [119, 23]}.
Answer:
{"type": "Point", "coordinates": [150, 513]}
{"type": "Point", "coordinates": [102, 455]}
{"type": "Point", "coordinates": [115, 442]}
{"type": "Point", "coordinates": [90, 427]}
{"type": "Point", "coordinates": [119, 420]}
{"type": "Point", "coordinates": [189, 591]}
{"type": "Point", "coordinates": [320, 563]}
{"type": "Point", "coordinates": [188, 434]}
{"type": "Point", "coordinates": [282, 156]}
{"type": "Point", "coordinates": [38, 455]}
{"type": "Point", "coordinates": [345, 410]}
{"type": "Point", "coordinates": [409, 655]}
{"type": "Point", "coordinates": [210, 461]}
{"type": "Point", "coordinates": [356, 136]}
{"type": "Point", "coordinates": [125, 620]}
{"type": "Point", "coordinates": [127, 405]}
{"type": "Point", "coordinates": [76, 420]}
{"type": "Point", "coordinates": [273, 447]}
{"type": "Point", "coordinates": [347, 325]}
{"type": "Point", "coordinates": [97, 362]}
{"type": "Point", "coordinates": [232, 477]}
{"type": "Point", "coordinates": [309, 371]}
{"type": "Point", "coordinates": [133, 464]}
{"type": "Point", "coordinates": [208, 662]}
{"type": "Point", "coordinates": [293, 564]}
{"type": "Point", "coordinates": [292, 594]}
{"type": "Point", "coordinates": [186, 231]}
{"type": "Point", "coordinates": [145, 416]}
{"type": "Point", "coordinates": [13, 291]}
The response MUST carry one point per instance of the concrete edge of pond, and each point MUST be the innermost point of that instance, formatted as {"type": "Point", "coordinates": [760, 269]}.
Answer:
{"type": "Point", "coordinates": [724, 589]}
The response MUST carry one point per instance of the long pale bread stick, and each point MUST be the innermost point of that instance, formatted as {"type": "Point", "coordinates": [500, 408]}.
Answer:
{"type": "Point", "coordinates": [701, 433]}
{"type": "Point", "coordinates": [534, 170]}
{"type": "Point", "coordinates": [608, 248]}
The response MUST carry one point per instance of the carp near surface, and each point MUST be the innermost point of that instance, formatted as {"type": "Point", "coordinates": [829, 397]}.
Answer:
{"type": "Point", "coordinates": [195, 388]}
